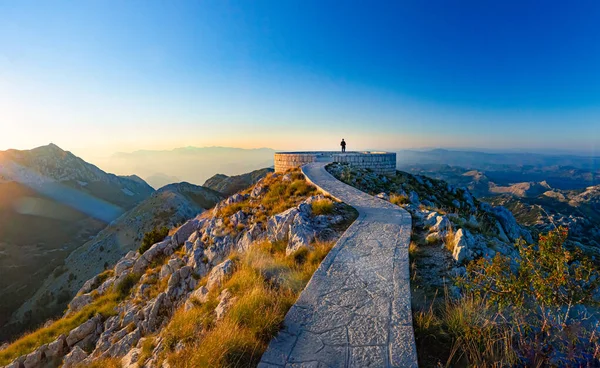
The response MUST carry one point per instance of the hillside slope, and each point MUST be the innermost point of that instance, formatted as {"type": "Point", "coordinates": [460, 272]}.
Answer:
{"type": "Point", "coordinates": [168, 206]}
{"type": "Point", "coordinates": [51, 202]}
{"type": "Point", "coordinates": [228, 185]}
{"type": "Point", "coordinates": [213, 293]}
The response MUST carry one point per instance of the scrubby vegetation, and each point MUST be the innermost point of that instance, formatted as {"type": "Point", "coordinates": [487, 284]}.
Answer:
{"type": "Point", "coordinates": [529, 311]}
{"type": "Point", "coordinates": [265, 284]}
{"type": "Point", "coordinates": [151, 237]}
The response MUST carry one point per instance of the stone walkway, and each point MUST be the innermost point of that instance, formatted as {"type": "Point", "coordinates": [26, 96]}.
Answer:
{"type": "Point", "coordinates": [355, 311]}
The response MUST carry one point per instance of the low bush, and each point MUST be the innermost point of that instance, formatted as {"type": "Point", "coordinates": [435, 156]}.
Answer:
{"type": "Point", "coordinates": [322, 207]}
{"type": "Point", "coordinates": [152, 237]}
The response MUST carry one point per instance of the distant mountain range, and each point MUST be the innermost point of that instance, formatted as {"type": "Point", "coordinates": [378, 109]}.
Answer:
{"type": "Point", "coordinates": [562, 172]}
{"type": "Point", "coordinates": [538, 190]}
{"type": "Point", "coordinates": [191, 164]}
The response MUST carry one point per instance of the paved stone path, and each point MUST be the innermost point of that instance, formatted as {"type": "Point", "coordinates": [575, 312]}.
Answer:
{"type": "Point", "coordinates": [355, 311]}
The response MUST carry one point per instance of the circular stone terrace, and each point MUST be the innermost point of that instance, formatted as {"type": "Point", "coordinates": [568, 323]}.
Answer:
{"type": "Point", "coordinates": [379, 162]}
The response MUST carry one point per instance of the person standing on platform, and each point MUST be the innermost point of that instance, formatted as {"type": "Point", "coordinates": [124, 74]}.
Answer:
{"type": "Point", "coordinates": [343, 144]}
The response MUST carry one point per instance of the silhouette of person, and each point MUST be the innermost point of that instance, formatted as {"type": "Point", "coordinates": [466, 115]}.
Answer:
{"type": "Point", "coordinates": [343, 144]}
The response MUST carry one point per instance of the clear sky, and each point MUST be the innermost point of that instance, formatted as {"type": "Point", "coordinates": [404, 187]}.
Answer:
{"type": "Point", "coordinates": [96, 77]}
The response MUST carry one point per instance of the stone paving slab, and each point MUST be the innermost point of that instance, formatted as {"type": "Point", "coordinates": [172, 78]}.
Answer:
{"type": "Point", "coordinates": [355, 311]}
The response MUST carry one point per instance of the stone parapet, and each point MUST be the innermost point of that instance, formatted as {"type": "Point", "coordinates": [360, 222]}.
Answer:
{"type": "Point", "coordinates": [379, 162]}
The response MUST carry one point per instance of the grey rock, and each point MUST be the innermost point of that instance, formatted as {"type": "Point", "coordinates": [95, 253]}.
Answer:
{"type": "Point", "coordinates": [278, 226]}
{"type": "Point", "coordinates": [57, 348]}
{"type": "Point", "coordinates": [34, 359]}
{"type": "Point", "coordinates": [79, 302]}
{"type": "Point", "coordinates": [463, 246]}
{"type": "Point", "coordinates": [301, 234]}
{"type": "Point", "coordinates": [82, 331]}
{"type": "Point", "coordinates": [226, 300]}
{"type": "Point", "coordinates": [219, 273]}
{"type": "Point", "coordinates": [122, 265]}
{"type": "Point", "coordinates": [76, 356]}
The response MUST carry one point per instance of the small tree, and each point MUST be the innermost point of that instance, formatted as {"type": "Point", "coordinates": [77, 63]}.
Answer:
{"type": "Point", "coordinates": [152, 237]}
{"type": "Point", "coordinates": [546, 275]}
{"type": "Point", "coordinates": [535, 295]}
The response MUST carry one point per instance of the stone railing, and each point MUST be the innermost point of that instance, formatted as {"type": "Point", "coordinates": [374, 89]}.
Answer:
{"type": "Point", "coordinates": [379, 162]}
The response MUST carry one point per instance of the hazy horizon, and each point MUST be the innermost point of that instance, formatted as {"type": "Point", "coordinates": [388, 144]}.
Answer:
{"type": "Point", "coordinates": [104, 77]}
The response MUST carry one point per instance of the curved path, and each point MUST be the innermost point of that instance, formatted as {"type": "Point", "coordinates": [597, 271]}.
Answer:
{"type": "Point", "coordinates": [355, 310]}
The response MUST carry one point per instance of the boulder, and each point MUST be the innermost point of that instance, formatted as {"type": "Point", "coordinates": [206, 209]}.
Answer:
{"type": "Point", "coordinates": [442, 224]}
{"type": "Point", "coordinates": [236, 198]}
{"type": "Point", "coordinates": [198, 261]}
{"type": "Point", "coordinates": [57, 348]}
{"type": "Point", "coordinates": [82, 331]}
{"type": "Point", "coordinates": [17, 363]}
{"type": "Point", "coordinates": [79, 302]}
{"type": "Point", "coordinates": [219, 273]}
{"type": "Point", "coordinates": [463, 244]}
{"type": "Point", "coordinates": [34, 359]}
{"type": "Point", "coordinates": [76, 356]}
{"type": "Point", "coordinates": [258, 190]}
{"type": "Point", "coordinates": [130, 360]}
{"type": "Point", "coordinates": [121, 347]}
{"type": "Point", "coordinates": [301, 234]}
{"type": "Point", "coordinates": [226, 300]}
{"type": "Point", "coordinates": [88, 286]}
{"type": "Point", "coordinates": [278, 226]}
{"type": "Point", "coordinates": [106, 285]}
{"type": "Point", "coordinates": [186, 230]}
{"type": "Point", "coordinates": [238, 218]}
{"type": "Point", "coordinates": [200, 294]}
{"type": "Point", "coordinates": [161, 248]}
{"type": "Point", "coordinates": [249, 236]}
{"type": "Point", "coordinates": [413, 198]}
{"type": "Point", "coordinates": [123, 265]}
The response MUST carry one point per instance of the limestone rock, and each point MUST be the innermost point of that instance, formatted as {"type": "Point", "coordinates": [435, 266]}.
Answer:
{"type": "Point", "coordinates": [226, 300]}
{"type": "Point", "coordinates": [301, 234]}
{"type": "Point", "coordinates": [186, 230]}
{"type": "Point", "coordinates": [57, 348]}
{"type": "Point", "coordinates": [463, 244]}
{"type": "Point", "coordinates": [254, 233]}
{"type": "Point", "coordinates": [200, 294]}
{"type": "Point", "coordinates": [82, 331]}
{"type": "Point", "coordinates": [123, 265]}
{"type": "Point", "coordinates": [79, 302]}
{"type": "Point", "coordinates": [121, 347]}
{"type": "Point", "coordinates": [219, 273]}
{"type": "Point", "coordinates": [442, 224]}
{"type": "Point", "coordinates": [156, 250]}
{"type": "Point", "coordinates": [76, 356]}
{"type": "Point", "coordinates": [34, 359]}
{"type": "Point", "coordinates": [131, 358]}
{"type": "Point", "coordinates": [278, 225]}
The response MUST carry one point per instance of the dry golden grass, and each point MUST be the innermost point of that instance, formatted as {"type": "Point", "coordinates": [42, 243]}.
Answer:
{"type": "Point", "coordinates": [266, 284]}
{"type": "Point", "coordinates": [322, 207]}
{"type": "Point", "coordinates": [104, 305]}
{"type": "Point", "coordinates": [449, 240]}
{"type": "Point", "coordinates": [102, 363]}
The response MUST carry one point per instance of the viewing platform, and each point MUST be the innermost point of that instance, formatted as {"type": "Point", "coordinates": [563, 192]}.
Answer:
{"type": "Point", "coordinates": [379, 162]}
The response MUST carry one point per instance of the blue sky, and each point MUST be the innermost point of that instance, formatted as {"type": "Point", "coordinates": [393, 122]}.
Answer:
{"type": "Point", "coordinates": [97, 77]}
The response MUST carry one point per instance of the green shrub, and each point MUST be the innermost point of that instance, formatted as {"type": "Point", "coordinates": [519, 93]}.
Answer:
{"type": "Point", "coordinates": [322, 207]}
{"type": "Point", "coordinates": [152, 237]}
{"type": "Point", "coordinates": [123, 288]}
